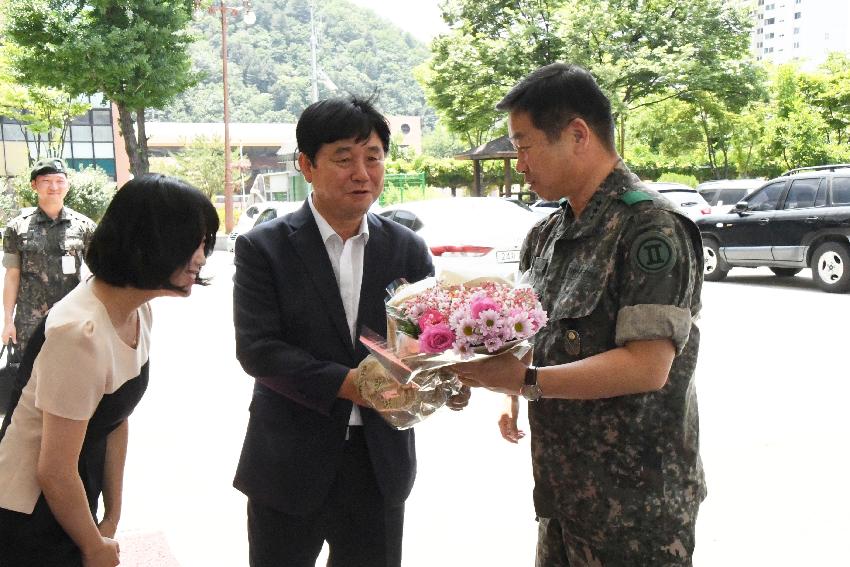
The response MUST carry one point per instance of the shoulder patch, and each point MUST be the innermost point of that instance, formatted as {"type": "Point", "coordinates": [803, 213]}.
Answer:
{"type": "Point", "coordinates": [654, 253]}
{"type": "Point", "coordinates": [635, 196]}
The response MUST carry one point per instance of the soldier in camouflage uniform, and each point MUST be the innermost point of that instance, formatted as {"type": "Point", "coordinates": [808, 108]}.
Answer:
{"type": "Point", "coordinates": [613, 409]}
{"type": "Point", "coordinates": [43, 251]}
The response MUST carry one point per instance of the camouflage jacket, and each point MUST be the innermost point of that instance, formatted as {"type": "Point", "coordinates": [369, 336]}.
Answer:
{"type": "Point", "coordinates": [35, 243]}
{"type": "Point", "coordinates": [629, 268]}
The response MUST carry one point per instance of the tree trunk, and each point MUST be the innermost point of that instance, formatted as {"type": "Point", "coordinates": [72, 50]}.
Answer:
{"type": "Point", "coordinates": [138, 165]}
{"type": "Point", "coordinates": [142, 141]}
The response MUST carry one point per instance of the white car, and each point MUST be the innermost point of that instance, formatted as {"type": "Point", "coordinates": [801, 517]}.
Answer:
{"type": "Point", "coordinates": [723, 194]}
{"type": "Point", "coordinates": [687, 199]}
{"type": "Point", "coordinates": [474, 236]}
{"type": "Point", "coordinates": [259, 213]}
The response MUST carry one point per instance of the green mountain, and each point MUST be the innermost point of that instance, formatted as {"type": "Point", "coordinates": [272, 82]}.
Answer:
{"type": "Point", "coordinates": [270, 63]}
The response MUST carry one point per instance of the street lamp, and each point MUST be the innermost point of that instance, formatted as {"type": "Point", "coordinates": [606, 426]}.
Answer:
{"type": "Point", "coordinates": [249, 17]}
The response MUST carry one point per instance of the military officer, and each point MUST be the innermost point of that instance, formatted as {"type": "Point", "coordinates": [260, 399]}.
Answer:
{"type": "Point", "coordinates": [612, 405]}
{"type": "Point", "coordinates": [43, 251]}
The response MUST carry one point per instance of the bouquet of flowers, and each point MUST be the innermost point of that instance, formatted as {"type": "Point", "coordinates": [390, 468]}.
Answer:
{"type": "Point", "coordinates": [433, 324]}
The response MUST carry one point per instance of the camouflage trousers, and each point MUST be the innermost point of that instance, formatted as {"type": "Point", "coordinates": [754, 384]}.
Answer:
{"type": "Point", "coordinates": [668, 545]}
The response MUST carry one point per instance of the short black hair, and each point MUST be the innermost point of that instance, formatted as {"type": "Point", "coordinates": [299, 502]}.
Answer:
{"type": "Point", "coordinates": [151, 228]}
{"type": "Point", "coordinates": [333, 119]}
{"type": "Point", "coordinates": [555, 94]}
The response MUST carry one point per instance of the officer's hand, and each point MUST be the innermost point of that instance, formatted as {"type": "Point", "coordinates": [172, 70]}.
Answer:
{"type": "Point", "coordinates": [507, 421]}
{"type": "Point", "coordinates": [9, 332]}
{"type": "Point", "coordinates": [460, 400]}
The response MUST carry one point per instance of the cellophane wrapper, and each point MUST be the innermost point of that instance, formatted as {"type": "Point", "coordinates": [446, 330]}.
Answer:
{"type": "Point", "coordinates": [401, 355]}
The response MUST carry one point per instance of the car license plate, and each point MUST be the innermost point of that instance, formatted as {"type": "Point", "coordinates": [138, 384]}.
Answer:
{"type": "Point", "coordinates": [504, 256]}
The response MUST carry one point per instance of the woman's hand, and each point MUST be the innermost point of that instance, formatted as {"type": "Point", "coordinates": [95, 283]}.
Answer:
{"type": "Point", "coordinates": [106, 554]}
{"type": "Point", "coordinates": [108, 527]}
{"type": "Point", "coordinates": [508, 419]}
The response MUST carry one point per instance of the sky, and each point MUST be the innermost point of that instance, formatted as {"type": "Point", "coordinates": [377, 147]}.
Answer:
{"type": "Point", "coordinates": [421, 18]}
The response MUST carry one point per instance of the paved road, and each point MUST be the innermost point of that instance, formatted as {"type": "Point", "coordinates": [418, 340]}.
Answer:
{"type": "Point", "coordinates": [773, 385]}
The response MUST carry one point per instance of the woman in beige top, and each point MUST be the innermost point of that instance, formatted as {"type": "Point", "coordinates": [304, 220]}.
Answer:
{"type": "Point", "coordinates": [64, 439]}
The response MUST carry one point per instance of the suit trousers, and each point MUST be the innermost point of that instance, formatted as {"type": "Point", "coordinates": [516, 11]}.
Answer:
{"type": "Point", "coordinates": [361, 530]}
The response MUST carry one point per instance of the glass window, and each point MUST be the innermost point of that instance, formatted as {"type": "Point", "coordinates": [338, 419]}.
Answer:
{"type": "Point", "coordinates": [802, 194]}
{"type": "Point", "coordinates": [12, 133]}
{"type": "Point", "coordinates": [104, 150]}
{"type": "Point", "coordinates": [709, 195]}
{"type": "Point", "coordinates": [265, 216]}
{"type": "Point", "coordinates": [820, 199]}
{"type": "Point", "coordinates": [841, 190]}
{"type": "Point", "coordinates": [81, 133]}
{"type": "Point", "coordinates": [101, 117]}
{"type": "Point", "coordinates": [408, 219]}
{"type": "Point", "coordinates": [83, 150]}
{"type": "Point", "coordinates": [84, 119]}
{"type": "Point", "coordinates": [731, 196]}
{"type": "Point", "coordinates": [102, 133]}
{"type": "Point", "coordinates": [767, 198]}
{"type": "Point", "coordinates": [66, 150]}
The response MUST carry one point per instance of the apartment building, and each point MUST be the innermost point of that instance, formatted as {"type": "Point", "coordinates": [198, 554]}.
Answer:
{"type": "Point", "coordinates": [800, 30]}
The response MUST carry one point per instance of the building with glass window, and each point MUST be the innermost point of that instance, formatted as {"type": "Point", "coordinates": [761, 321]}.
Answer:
{"type": "Point", "coordinates": [91, 139]}
{"type": "Point", "coordinates": [800, 30]}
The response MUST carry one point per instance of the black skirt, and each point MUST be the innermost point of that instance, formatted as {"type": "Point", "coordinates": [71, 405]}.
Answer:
{"type": "Point", "coordinates": [37, 539]}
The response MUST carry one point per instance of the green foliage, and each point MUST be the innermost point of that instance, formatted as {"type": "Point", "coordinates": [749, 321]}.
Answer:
{"type": "Point", "coordinates": [688, 180]}
{"type": "Point", "coordinates": [269, 65]}
{"type": "Point", "coordinates": [46, 112]}
{"type": "Point", "coordinates": [200, 163]}
{"type": "Point", "coordinates": [90, 191]}
{"type": "Point", "coordinates": [8, 209]}
{"type": "Point", "coordinates": [132, 52]}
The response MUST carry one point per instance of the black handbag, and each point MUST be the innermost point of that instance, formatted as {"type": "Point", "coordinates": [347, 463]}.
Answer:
{"type": "Point", "coordinates": [8, 376]}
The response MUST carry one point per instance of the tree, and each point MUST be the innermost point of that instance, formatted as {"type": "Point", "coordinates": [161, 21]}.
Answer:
{"type": "Point", "coordinates": [640, 52]}
{"type": "Point", "coordinates": [134, 53]}
{"type": "Point", "coordinates": [201, 163]}
{"type": "Point", "coordinates": [44, 114]}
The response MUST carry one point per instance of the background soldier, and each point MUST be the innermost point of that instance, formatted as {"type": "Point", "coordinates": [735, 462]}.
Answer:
{"type": "Point", "coordinates": [43, 254]}
{"type": "Point", "coordinates": [613, 412]}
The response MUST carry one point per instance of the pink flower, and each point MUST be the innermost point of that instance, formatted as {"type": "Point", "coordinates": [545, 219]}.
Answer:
{"type": "Point", "coordinates": [436, 338]}
{"type": "Point", "coordinates": [482, 304]}
{"type": "Point", "coordinates": [430, 317]}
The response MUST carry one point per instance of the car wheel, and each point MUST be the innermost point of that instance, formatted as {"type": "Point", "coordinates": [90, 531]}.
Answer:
{"type": "Point", "coordinates": [785, 272]}
{"type": "Point", "coordinates": [831, 267]}
{"type": "Point", "coordinates": [714, 269]}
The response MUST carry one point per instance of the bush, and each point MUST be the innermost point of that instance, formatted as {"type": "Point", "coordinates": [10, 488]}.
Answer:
{"type": "Point", "coordinates": [89, 194]}
{"type": "Point", "coordinates": [688, 180]}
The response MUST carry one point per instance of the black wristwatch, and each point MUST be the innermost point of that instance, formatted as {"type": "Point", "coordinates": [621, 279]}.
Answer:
{"type": "Point", "coordinates": [530, 389]}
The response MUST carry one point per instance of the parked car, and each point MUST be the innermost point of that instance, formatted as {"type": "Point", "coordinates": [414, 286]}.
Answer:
{"type": "Point", "coordinates": [477, 236]}
{"type": "Point", "coordinates": [259, 213]}
{"type": "Point", "coordinates": [798, 220]}
{"type": "Point", "coordinates": [724, 193]}
{"type": "Point", "coordinates": [687, 199]}
{"type": "Point", "coordinates": [545, 208]}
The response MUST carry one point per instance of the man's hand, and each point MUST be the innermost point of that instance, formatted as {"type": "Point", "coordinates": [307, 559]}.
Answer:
{"type": "Point", "coordinates": [10, 333]}
{"type": "Point", "coordinates": [504, 373]}
{"type": "Point", "coordinates": [460, 400]}
{"type": "Point", "coordinates": [108, 527]}
{"type": "Point", "coordinates": [350, 391]}
{"type": "Point", "coordinates": [378, 389]}
{"type": "Point", "coordinates": [507, 421]}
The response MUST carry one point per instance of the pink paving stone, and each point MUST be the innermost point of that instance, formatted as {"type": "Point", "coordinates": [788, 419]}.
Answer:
{"type": "Point", "coordinates": [145, 549]}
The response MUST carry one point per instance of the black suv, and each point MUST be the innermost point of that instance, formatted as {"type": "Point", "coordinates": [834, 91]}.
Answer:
{"type": "Point", "coordinates": [798, 220]}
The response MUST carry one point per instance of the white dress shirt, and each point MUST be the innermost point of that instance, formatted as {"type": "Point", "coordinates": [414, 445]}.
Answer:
{"type": "Point", "coordinates": [347, 261]}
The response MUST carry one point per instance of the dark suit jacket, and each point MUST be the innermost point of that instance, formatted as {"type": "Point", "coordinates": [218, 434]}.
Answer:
{"type": "Point", "coordinates": [293, 338]}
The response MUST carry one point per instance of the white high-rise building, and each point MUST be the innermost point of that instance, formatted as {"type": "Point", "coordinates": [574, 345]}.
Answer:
{"type": "Point", "coordinates": [802, 30]}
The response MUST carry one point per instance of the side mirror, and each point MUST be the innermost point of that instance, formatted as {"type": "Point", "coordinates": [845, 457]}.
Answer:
{"type": "Point", "coordinates": [740, 207]}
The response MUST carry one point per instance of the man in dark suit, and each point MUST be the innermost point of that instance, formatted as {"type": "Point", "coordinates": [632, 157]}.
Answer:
{"type": "Point", "coordinates": [318, 464]}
